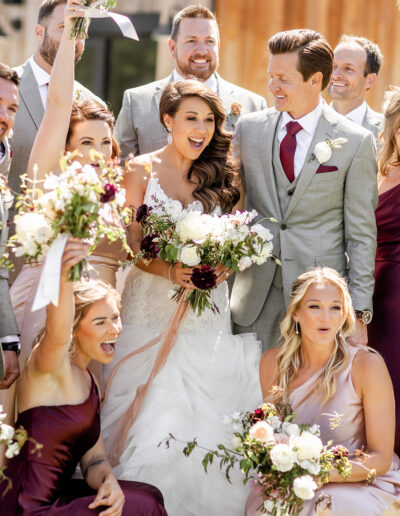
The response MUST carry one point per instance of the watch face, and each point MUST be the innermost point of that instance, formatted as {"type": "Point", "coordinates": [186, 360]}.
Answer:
{"type": "Point", "coordinates": [366, 317]}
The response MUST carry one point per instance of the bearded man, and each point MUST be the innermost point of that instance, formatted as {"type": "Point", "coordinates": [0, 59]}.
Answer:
{"type": "Point", "coordinates": [194, 46]}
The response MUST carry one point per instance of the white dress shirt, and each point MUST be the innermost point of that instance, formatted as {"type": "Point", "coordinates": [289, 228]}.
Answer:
{"type": "Point", "coordinates": [304, 137]}
{"type": "Point", "coordinates": [358, 114]}
{"type": "Point", "coordinates": [211, 82]}
{"type": "Point", "coordinates": [42, 78]}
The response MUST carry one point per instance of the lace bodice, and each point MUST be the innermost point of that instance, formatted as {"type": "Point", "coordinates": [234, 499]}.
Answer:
{"type": "Point", "coordinates": [146, 297]}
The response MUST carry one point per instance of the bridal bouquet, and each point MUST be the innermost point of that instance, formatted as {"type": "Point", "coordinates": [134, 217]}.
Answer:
{"type": "Point", "coordinates": [202, 241]}
{"type": "Point", "coordinates": [281, 457]}
{"type": "Point", "coordinates": [73, 204]}
{"type": "Point", "coordinates": [79, 26]}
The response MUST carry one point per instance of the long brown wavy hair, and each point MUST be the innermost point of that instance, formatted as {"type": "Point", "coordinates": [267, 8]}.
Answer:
{"type": "Point", "coordinates": [214, 172]}
{"type": "Point", "coordinates": [389, 155]}
{"type": "Point", "coordinates": [92, 110]}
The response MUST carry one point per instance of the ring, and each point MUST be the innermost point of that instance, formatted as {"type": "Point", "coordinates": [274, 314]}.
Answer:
{"type": "Point", "coordinates": [226, 274]}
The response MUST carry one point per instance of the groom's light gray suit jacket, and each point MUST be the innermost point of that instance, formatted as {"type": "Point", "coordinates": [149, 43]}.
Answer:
{"type": "Point", "coordinates": [323, 218]}
{"type": "Point", "coordinates": [138, 128]}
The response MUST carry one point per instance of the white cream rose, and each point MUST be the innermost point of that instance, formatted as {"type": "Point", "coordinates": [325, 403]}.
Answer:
{"type": "Point", "coordinates": [236, 442]}
{"type": "Point", "coordinates": [244, 263]}
{"type": "Point", "coordinates": [304, 487]}
{"type": "Point", "coordinates": [307, 446]}
{"type": "Point", "coordinates": [194, 226]}
{"type": "Point", "coordinates": [263, 432]}
{"type": "Point", "coordinates": [283, 457]}
{"type": "Point", "coordinates": [189, 255]}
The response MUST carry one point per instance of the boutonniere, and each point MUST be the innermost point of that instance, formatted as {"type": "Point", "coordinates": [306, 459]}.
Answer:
{"type": "Point", "coordinates": [234, 113]}
{"type": "Point", "coordinates": [323, 150]}
{"type": "Point", "coordinates": [77, 94]}
{"type": "Point", "coordinates": [6, 196]}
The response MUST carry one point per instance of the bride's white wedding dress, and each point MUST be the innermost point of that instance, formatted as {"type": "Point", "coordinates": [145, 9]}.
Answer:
{"type": "Point", "coordinates": [208, 374]}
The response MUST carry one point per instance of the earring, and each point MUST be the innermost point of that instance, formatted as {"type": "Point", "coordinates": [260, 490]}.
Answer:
{"type": "Point", "coordinates": [297, 327]}
{"type": "Point", "coordinates": [169, 136]}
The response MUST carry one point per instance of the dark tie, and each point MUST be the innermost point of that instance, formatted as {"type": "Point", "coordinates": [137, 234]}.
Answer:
{"type": "Point", "coordinates": [288, 149]}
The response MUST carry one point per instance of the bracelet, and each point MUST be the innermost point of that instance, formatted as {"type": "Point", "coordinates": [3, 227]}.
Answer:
{"type": "Point", "coordinates": [169, 272]}
{"type": "Point", "coordinates": [12, 346]}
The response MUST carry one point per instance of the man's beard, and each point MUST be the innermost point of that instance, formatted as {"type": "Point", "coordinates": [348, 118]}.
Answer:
{"type": "Point", "coordinates": [188, 72]}
{"type": "Point", "coordinates": [49, 48]}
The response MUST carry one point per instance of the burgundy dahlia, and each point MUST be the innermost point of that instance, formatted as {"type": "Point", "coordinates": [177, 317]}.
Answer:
{"type": "Point", "coordinates": [142, 212]}
{"type": "Point", "coordinates": [204, 277]}
{"type": "Point", "coordinates": [149, 247]}
{"type": "Point", "coordinates": [109, 193]}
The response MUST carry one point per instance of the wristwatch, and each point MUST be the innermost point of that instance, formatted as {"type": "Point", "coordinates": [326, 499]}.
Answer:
{"type": "Point", "coordinates": [365, 316]}
{"type": "Point", "coordinates": [12, 346]}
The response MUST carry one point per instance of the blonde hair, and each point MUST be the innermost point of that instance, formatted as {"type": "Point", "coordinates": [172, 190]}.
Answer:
{"type": "Point", "coordinates": [289, 359]}
{"type": "Point", "coordinates": [389, 154]}
{"type": "Point", "coordinates": [86, 292]}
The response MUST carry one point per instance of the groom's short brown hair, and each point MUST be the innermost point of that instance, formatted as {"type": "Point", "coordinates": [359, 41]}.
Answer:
{"type": "Point", "coordinates": [191, 11]}
{"type": "Point", "coordinates": [314, 52]}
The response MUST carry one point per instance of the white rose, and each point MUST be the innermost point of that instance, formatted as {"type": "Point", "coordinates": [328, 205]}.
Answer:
{"type": "Point", "coordinates": [189, 255]}
{"type": "Point", "coordinates": [92, 196]}
{"type": "Point", "coordinates": [236, 442]}
{"type": "Point", "coordinates": [262, 232]}
{"type": "Point", "coordinates": [304, 487]}
{"type": "Point", "coordinates": [263, 255]}
{"type": "Point", "coordinates": [312, 467]}
{"type": "Point", "coordinates": [322, 152]}
{"type": "Point", "coordinates": [263, 432]}
{"type": "Point", "coordinates": [307, 446]}
{"type": "Point", "coordinates": [269, 506]}
{"type": "Point", "coordinates": [120, 197]}
{"type": "Point", "coordinates": [43, 234]}
{"type": "Point", "coordinates": [12, 450]}
{"type": "Point", "coordinates": [244, 263]}
{"type": "Point", "coordinates": [90, 174]}
{"type": "Point", "coordinates": [51, 182]}
{"type": "Point", "coordinates": [283, 457]}
{"type": "Point", "coordinates": [6, 432]}
{"type": "Point", "coordinates": [291, 429]}
{"type": "Point", "coordinates": [194, 226]}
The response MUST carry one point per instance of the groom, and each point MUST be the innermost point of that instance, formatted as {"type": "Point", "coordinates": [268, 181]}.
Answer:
{"type": "Point", "coordinates": [323, 201]}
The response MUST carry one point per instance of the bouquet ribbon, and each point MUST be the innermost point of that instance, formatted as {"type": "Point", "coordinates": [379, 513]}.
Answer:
{"type": "Point", "coordinates": [115, 443]}
{"type": "Point", "coordinates": [49, 285]}
{"type": "Point", "coordinates": [124, 23]}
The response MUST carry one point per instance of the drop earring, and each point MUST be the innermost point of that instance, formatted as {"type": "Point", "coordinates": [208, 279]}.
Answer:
{"type": "Point", "coordinates": [169, 136]}
{"type": "Point", "coordinates": [297, 327]}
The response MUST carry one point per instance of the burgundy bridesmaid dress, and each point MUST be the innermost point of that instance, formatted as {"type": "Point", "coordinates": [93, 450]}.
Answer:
{"type": "Point", "coordinates": [42, 483]}
{"type": "Point", "coordinates": [384, 330]}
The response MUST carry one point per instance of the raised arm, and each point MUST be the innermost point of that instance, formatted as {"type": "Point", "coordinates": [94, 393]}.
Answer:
{"type": "Point", "coordinates": [49, 144]}
{"type": "Point", "coordinates": [49, 355]}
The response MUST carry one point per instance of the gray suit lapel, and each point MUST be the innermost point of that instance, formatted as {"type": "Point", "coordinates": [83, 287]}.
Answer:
{"type": "Point", "coordinates": [325, 130]}
{"type": "Point", "coordinates": [267, 135]}
{"type": "Point", "coordinates": [29, 93]}
{"type": "Point", "coordinates": [225, 93]}
{"type": "Point", "coordinates": [159, 90]}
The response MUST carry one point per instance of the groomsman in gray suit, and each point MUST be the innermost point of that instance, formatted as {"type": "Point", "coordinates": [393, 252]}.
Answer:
{"type": "Point", "coordinates": [34, 77]}
{"type": "Point", "coordinates": [322, 196]}
{"type": "Point", "coordinates": [9, 369]}
{"type": "Point", "coordinates": [194, 45]}
{"type": "Point", "coordinates": [356, 64]}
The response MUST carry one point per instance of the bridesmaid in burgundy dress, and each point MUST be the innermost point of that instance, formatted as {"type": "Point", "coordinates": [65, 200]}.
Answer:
{"type": "Point", "coordinates": [384, 330]}
{"type": "Point", "coordinates": [59, 407]}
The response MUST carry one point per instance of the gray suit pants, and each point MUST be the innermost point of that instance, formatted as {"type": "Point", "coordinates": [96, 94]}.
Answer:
{"type": "Point", "coordinates": [266, 326]}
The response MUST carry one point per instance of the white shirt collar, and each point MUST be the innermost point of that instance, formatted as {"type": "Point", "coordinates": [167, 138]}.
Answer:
{"type": "Point", "coordinates": [211, 82]}
{"type": "Point", "coordinates": [308, 122]}
{"type": "Point", "coordinates": [41, 76]}
{"type": "Point", "coordinates": [358, 114]}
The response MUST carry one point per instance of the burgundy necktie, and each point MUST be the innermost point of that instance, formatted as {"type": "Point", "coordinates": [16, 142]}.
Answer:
{"type": "Point", "coordinates": [288, 149]}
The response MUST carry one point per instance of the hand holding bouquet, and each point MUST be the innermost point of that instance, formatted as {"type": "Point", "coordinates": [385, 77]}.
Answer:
{"type": "Point", "coordinates": [73, 204]}
{"type": "Point", "coordinates": [286, 461]}
{"type": "Point", "coordinates": [79, 24]}
{"type": "Point", "coordinates": [206, 243]}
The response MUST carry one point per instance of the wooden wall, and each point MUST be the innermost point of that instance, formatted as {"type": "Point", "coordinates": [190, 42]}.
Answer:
{"type": "Point", "coordinates": [246, 26]}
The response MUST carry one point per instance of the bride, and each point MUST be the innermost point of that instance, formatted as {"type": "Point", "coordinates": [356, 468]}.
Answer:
{"type": "Point", "coordinates": [209, 372]}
